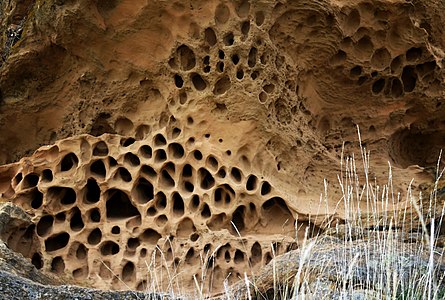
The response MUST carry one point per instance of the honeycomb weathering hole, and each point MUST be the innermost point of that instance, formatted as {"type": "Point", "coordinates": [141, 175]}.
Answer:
{"type": "Point", "coordinates": [57, 241]}
{"type": "Point", "coordinates": [119, 205]}
{"type": "Point", "coordinates": [410, 147]}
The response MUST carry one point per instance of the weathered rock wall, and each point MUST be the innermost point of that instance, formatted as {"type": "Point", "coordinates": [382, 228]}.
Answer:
{"type": "Point", "coordinates": [230, 111]}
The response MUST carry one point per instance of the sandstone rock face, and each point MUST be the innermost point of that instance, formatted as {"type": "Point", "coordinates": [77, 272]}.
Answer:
{"type": "Point", "coordinates": [116, 205]}
{"type": "Point", "coordinates": [205, 127]}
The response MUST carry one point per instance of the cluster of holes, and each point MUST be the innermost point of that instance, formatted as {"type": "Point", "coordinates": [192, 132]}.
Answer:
{"type": "Point", "coordinates": [235, 55]}
{"type": "Point", "coordinates": [129, 203]}
{"type": "Point", "coordinates": [388, 75]}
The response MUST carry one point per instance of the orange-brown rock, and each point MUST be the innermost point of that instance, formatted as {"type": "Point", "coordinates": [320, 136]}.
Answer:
{"type": "Point", "coordinates": [168, 122]}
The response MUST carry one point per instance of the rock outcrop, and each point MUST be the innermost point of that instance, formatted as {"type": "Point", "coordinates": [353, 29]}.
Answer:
{"type": "Point", "coordinates": [328, 267]}
{"type": "Point", "coordinates": [192, 140]}
{"type": "Point", "coordinates": [111, 207]}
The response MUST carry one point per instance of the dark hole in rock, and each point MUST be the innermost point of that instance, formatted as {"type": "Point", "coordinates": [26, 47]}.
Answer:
{"type": "Point", "coordinates": [206, 179]}
{"type": "Point", "coordinates": [47, 175]}
{"type": "Point", "coordinates": [186, 56]}
{"type": "Point", "coordinates": [265, 188]}
{"type": "Point", "coordinates": [256, 253]}
{"type": "Point", "coordinates": [60, 217]}
{"type": "Point", "coordinates": [76, 222]}
{"type": "Point", "coordinates": [189, 187]}
{"type": "Point", "coordinates": [57, 265]}
{"type": "Point", "coordinates": [413, 54]}
{"type": "Point", "coordinates": [361, 80]}
{"type": "Point", "coordinates": [411, 146]}
{"type": "Point", "coordinates": [212, 163]}
{"type": "Point", "coordinates": [220, 66]}
{"type": "Point", "coordinates": [239, 256]}
{"type": "Point", "coordinates": [252, 183]}
{"type": "Point", "coordinates": [229, 39]}
{"type": "Point", "coordinates": [356, 71]}
{"type": "Point", "coordinates": [206, 213]}
{"type": "Point", "coordinates": [252, 58]}
{"type": "Point", "coordinates": [37, 198]}
{"type": "Point", "coordinates": [145, 151]}
{"type": "Point", "coordinates": [128, 272]}
{"type": "Point", "coordinates": [109, 248]}
{"type": "Point", "coordinates": [57, 241]}
{"type": "Point", "coordinates": [235, 59]}
{"type": "Point", "coordinates": [92, 191]}
{"type": "Point", "coordinates": [222, 85]}
{"type": "Point", "coordinates": [160, 156]}
{"type": "Point", "coordinates": [187, 171]}
{"type": "Point", "coordinates": [240, 74]}
{"type": "Point", "coordinates": [98, 168]}
{"type": "Point", "coordinates": [221, 173]}
{"type": "Point", "coordinates": [124, 174]}
{"type": "Point", "coordinates": [37, 261]}
{"type": "Point", "coordinates": [378, 86]}
{"type": "Point", "coordinates": [259, 18]}
{"type": "Point", "coordinates": [95, 215]}
{"type": "Point", "coordinates": [131, 159]}
{"type": "Point", "coordinates": [115, 230]}
{"type": "Point", "coordinates": [245, 28]}
{"type": "Point", "coordinates": [409, 78]}
{"type": "Point", "coordinates": [396, 88]}
{"type": "Point", "coordinates": [148, 171]}
{"type": "Point", "coordinates": [238, 223]}
{"type": "Point", "coordinates": [198, 82]}
{"type": "Point", "coordinates": [100, 149]}
{"type": "Point", "coordinates": [30, 180]}
{"type": "Point", "coordinates": [194, 237]}
{"type": "Point", "coordinates": [95, 237]}
{"type": "Point", "coordinates": [65, 195]}
{"type": "Point", "coordinates": [197, 154]}
{"type": "Point", "coordinates": [150, 236]}
{"type": "Point", "coordinates": [179, 82]}
{"type": "Point", "coordinates": [210, 36]}
{"type": "Point", "coordinates": [127, 142]}
{"type": "Point", "coordinates": [151, 211]}
{"type": "Point", "coordinates": [69, 162]}
{"type": "Point", "coordinates": [166, 180]}
{"type": "Point", "coordinates": [111, 161]}
{"type": "Point", "coordinates": [133, 243]}
{"type": "Point", "coordinates": [144, 191]}
{"type": "Point", "coordinates": [161, 200]}
{"type": "Point", "coordinates": [44, 225]}
{"type": "Point", "coordinates": [119, 205]}
{"type": "Point", "coordinates": [161, 220]}
{"type": "Point", "coordinates": [176, 150]}
{"type": "Point", "coordinates": [18, 178]}
{"type": "Point", "coordinates": [81, 252]}
{"type": "Point", "coordinates": [159, 140]}
{"type": "Point", "coordinates": [190, 254]}
{"type": "Point", "coordinates": [195, 202]}
{"type": "Point", "coordinates": [178, 205]}
{"type": "Point", "coordinates": [236, 174]}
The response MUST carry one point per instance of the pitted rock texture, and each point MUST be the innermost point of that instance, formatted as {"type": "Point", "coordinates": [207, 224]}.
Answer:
{"type": "Point", "coordinates": [206, 113]}
{"type": "Point", "coordinates": [106, 208]}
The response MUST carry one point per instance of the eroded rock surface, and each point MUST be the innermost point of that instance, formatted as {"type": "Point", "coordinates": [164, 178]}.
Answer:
{"type": "Point", "coordinates": [206, 127]}
{"type": "Point", "coordinates": [117, 208]}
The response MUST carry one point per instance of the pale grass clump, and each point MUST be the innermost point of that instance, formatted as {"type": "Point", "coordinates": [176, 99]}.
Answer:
{"type": "Point", "coordinates": [370, 262]}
